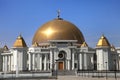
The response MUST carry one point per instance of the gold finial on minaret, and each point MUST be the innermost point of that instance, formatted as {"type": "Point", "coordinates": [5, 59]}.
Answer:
{"type": "Point", "coordinates": [58, 13]}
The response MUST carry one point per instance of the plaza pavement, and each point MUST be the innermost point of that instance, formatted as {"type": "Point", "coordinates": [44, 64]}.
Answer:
{"type": "Point", "coordinates": [70, 78]}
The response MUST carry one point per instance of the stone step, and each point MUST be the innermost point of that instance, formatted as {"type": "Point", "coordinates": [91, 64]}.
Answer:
{"type": "Point", "coordinates": [64, 72]}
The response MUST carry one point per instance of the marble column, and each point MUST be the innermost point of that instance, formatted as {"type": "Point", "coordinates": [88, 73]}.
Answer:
{"type": "Point", "coordinates": [12, 66]}
{"type": "Point", "coordinates": [3, 63]}
{"type": "Point", "coordinates": [80, 62]}
{"type": "Point", "coordinates": [40, 61]}
{"type": "Point", "coordinates": [6, 64]}
{"type": "Point", "coordinates": [9, 62]}
{"type": "Point", "coordinates": [68, 65]}
{"type": "Point", "coordinates": [45, 61]}
{"type": "Point", "coordinates": [73, 61]}
{"type": "Point", "coordinates": [85, 61]}
{"type": "Point", "coordinates": [51, 60]}
{"type": "Point", "coordinates": [33, 62]}
{"type": "Point", "coordinates": [30, 61]}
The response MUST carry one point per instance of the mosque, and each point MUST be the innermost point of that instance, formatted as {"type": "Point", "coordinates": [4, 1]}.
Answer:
{"type": "Point", "coordinates": [59, 45]}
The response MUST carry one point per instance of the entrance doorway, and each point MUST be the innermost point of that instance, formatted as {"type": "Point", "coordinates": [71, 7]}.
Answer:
{"type": "Point", "coordinates": [60, 65]}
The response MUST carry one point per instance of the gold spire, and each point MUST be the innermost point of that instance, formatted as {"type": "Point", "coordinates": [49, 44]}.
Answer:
{"type": "Point", "coordinates": [35, 44]}
{"type": "Point", "coordinates": [84, 44]}
{"type": "Point", "coordinates": [5, 48]}
{"type": "Point", "coordinates": [58, 14]}
{"type": "Point", "coordinates": [19, 42]}
{"type": "Point", "coordinates": [103, 42]}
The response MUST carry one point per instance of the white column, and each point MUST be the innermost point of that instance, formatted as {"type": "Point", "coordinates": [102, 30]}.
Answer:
{"type": "Point", "coordinates": [9, 62]}
{"type": "Point", "coordinates": [40, 61]}
{"type": "Point", "coordinates": [73, 60]}
{"type": "Point", "coordinates": [85, 61]}
{"type": "Point", "coordinates": [45, 61]}
{"type": "Point", "coordinates": [80, 61]}
{"type": "Point", "coordinates": [51, 60]}
{"type": "Point", "coordinates": [3, 63]}
{"type": "Point", "coordinates": [68, 64]}
{"type": "Point", "coordinates": [48, 62]}
{"type": "Point", "coordinates": [29, 55]}
{"type": "Point", "coordinates": [6, 64]}
{"type": "Point", "coordinates": [33, 61]}
{"type": "Point", "coordinates": [12, 66]}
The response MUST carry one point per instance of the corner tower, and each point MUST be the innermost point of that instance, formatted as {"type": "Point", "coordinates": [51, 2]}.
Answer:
{"type": "Point", "coordinates": [103, 54]}
{"type": "Point", "coordinates": [19, 54]}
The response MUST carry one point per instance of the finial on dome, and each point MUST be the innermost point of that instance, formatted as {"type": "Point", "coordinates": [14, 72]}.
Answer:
{"type": "Point", "coordinates": [20, 36]}
{"type": "Point", "coordinates": [58, 14]}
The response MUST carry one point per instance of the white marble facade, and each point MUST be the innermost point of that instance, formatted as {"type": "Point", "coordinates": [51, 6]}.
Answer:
{"type": "Point", "coordinates": [59, 56]}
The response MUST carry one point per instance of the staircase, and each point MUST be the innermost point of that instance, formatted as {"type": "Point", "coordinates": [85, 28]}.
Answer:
{"type": "Point", "coordinates": [64, 72]}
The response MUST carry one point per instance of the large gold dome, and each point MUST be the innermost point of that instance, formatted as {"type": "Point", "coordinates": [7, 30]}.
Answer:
{"type": "Point", "coordinates": [58, 29]}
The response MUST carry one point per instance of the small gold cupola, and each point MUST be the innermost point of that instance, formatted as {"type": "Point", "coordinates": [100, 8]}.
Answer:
{"type": "Point", "coordinates": [5, 48]}
{"type": "Point", "coordinates": [113, 48]}
{"type": "Point", "coordinates": [84, 44]}
{"type": "Point", "coordinates": [103, 42]}
{"type": "Point", "coordinates": [35, 44]}
{"type": "Point", "coordinates": [20, 42]}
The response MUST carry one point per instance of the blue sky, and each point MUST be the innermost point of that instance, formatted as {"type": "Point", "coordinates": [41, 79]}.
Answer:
{"type": "Point", "coordinates": [92, 17]}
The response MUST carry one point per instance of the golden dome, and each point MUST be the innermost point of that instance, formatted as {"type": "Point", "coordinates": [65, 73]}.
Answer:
{"type": "Point", "coordinates": [58, 29]}
{"type": "Point", "coordinates": [103, 42]}
{"type": "Point", "coordinates": [20, 42]}
{"type": "Point", "coordinates": [84, 44]}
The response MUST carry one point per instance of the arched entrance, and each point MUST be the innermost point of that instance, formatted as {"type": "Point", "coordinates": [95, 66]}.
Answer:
{"type": "Point", "coordinates": [61, 60]}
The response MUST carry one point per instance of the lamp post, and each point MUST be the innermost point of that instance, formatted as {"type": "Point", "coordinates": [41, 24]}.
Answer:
{"type": "Point", "coordinates": [106, 70]}
{"type": "Point", "coordinates": [115, 69]}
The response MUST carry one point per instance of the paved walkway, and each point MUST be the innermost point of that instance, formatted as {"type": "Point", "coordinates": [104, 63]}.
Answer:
{"type": "Point", "coordinates": [71, 78]}
{"type": "Point", "coordinates": [83, 78]}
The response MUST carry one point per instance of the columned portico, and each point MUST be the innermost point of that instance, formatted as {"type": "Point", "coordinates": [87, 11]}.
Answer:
{"type": "Point", "coordinates": [6, 62]}
{"type": "Point", "coordinates": [38, 61]}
